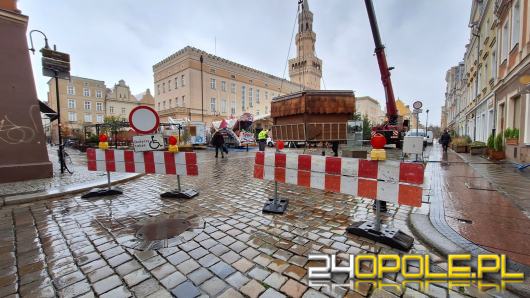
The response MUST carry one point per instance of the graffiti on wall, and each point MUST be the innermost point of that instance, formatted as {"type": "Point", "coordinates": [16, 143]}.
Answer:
{"type": "Point", "coordinates": [13, 133]}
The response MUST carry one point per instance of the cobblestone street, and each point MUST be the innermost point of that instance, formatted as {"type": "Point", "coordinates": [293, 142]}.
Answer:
{"type": "Point", "coordinates": [73, 246]}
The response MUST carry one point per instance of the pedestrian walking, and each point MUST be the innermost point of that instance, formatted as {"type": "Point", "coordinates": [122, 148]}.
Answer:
{"type": "Point", "coordinates": [445, 140]}
{"type": "Point", "coordinates": [218, 142]}
{"type": "Point", "coordinates": [262, 139]}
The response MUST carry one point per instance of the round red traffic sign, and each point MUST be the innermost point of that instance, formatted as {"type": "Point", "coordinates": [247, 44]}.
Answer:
{"type": "Point", "coordinates": [417, 104]}
{"type": "Point", "coordinates": [144, 119]}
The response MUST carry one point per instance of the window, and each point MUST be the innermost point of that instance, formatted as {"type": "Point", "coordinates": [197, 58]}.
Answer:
{"type": "Point", "coordinates": [212, 105]}
{"type": "Point", "coordinates": [176, 83]}
{"type": "Point", "coordinates": [98, 94]}
{"type": "Point", "coordinates": [71, 103]}
{"type": "Point", "coordinates": [233, 108]}
{"type": "Point", "coordinates": [504, 43]}
{"type": "Point", "coordinates": [88, 105]}
{"type": "Point", "coordinates": [182, 81]}
{"type": "Point", "coordinates": [233, 88]}
{"type": "Point", "coordinates": [164, 104]}
{"type": "Point", "coordinates": [70, 90]}
{"type": "Point", "coordinates": [494, 65]}
{"type": "Point", "coordinates": [111, 109]}
{"type": "Point", "coordinates": [85, 84]}
{"type": "Point", "coordinates": [158, 89]}
{"type": "Point", "coordinates": [123, 111]}
{"type": "Point", "coordinates": [99, 118]}
{"type": "Point", "coordinates": [176, 101]}
{"type": "Point", "coordinates": [243, 91]}
{"type": "Point", "coordinates": [170, 100]}
{"type": "Point", "coordinates": [250, 91]}
{"type": "Point", "coordinates": [223, 105]}
{"type": "Point", "coordinates": [86, 92]}
{"type": "Point", "coordinates": [183, 104]}
{"type": "Point", "coordinates": [257, 112]}
{"type": "Point", "coordinates": [212, 83]}
{"type": "Point", "coordinates": [266, 96]}
{"type": "Point", "coordinates": [516, 22]}
{"type": "Point", "coordinates": [266, 109]}
{"type": "Point", "coordinates": [257, 96]}
{"type": "Point", "coordinates": [99, 106]}
{"type": "Point", "coordinates": [159, 106]}
{"type": "Point", "coordinates": [223, 86]}
{"type": "Point", "coordinates": [72, 116]}
{"type": "Point", "coordinates": [163, 87]}
{"type": "Point", "coordinates": [88, 117]}
{"type": "Point", "coordinates": [169, 85]}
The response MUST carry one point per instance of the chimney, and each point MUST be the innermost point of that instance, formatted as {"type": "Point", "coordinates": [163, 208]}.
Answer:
{"type": "Point", "coordinates": [10, 5]}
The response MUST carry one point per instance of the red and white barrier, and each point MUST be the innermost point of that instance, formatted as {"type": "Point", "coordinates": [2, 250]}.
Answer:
{"type": "Point", "coordinates": [155, 162]}
{"type": "Point", "coordinates": [390, 181]}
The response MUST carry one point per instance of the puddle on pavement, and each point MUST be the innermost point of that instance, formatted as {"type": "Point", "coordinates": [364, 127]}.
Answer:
{"type": "Point", "coordinates": [479, 185]}
{"type": "Point", "coordinates": [163, 231]}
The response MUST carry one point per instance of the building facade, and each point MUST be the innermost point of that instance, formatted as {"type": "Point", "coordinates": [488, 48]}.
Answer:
{"type": "Point", "coordinates": [491, 97]}
{"type": "Point", "coordinates": [86, 101]}
{"type": "Point", "coordinates": [306, 68]}
{"type": "Point", "coordinates": [119, 101]}
{"type": "Point", "coordinates": [82, 101]}
{"type": "Point", "coordinates": [369, 107]}
{"type": "Point", "coordinates": [193, 84]}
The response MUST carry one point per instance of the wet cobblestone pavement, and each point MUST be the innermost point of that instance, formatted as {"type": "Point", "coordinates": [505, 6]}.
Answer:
{"type": "Point", "coordinates": [74, 247]}
{"type": "Point", "coordinates": [79, 175]}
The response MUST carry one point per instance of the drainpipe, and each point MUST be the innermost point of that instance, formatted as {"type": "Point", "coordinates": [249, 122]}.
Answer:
{"type": "Point", "coordinates": [202, 93]}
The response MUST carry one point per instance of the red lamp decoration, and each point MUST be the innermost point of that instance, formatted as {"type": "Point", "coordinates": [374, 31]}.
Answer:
{"type": "Point", "coordinates": [172, 141]}
{"type": "Point", "coordinates": [103, 142]}
{"type": "Point", "coordinates": [280, 145]}
{"type": "Point", "coordinates": [378, 141]}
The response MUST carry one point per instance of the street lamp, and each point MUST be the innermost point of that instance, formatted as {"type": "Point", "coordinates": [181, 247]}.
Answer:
{"type": "Point", "coordinates": [427, 121]}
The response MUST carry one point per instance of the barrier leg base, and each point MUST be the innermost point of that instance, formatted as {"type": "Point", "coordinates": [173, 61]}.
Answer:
{"type": "Point", "coordinates": [278, 207]}
{"type": "Point", "coordinates": [183, 194]}
{"type": "Point", "coordinates": [102, 192]}
{"type": "Point", "coordinates": [389, 236]}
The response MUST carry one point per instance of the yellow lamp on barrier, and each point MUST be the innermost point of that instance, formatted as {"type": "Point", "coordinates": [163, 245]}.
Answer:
{"type": "Point", "coordinates": [103, 142]}
{"type": "Point", "coordinates": [173, 148]}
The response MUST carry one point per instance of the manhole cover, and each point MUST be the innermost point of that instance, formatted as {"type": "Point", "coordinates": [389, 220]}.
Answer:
{"type": "Point", "coordinates": [165, 231]}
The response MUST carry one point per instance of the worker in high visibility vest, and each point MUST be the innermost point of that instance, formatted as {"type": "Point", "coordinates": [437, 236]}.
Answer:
{"type": "Point", "coordinates": [262, 139]}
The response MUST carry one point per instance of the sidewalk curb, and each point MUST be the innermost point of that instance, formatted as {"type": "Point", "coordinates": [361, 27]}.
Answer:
{"type": "Point", "coordinates": [61, 191]}
{"type": "Point", "coordinates": [422, 227]}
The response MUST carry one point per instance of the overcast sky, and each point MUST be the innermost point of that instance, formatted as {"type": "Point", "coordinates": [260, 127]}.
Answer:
{"type": "Point", "coordinates": [121, 39]}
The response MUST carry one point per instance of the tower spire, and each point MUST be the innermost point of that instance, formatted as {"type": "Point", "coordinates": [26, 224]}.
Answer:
{"type": "Point", "coordinates": [306, 68]}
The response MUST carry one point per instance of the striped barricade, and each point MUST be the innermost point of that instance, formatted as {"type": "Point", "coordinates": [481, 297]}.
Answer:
{"type": "Point", "coordinates": [391, 181]}
{"type": "Point", "coordinates": [148, 162]}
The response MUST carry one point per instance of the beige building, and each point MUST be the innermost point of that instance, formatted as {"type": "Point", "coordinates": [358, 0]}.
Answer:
{"type": "Point", "coordinates": [82, 101]}
{"type": "Point", "coordinates": [193, 84]}
{"type": "Point", "coordinates": [306, 68]}
{"type": "Point", "coordinates": [119, 101]}
{"type": "Point", "coordinates": [367, 106]}
{"type": "Point", "coordinates": [86, 101]}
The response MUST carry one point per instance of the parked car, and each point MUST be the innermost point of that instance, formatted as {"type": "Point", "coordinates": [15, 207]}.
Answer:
{"type": "Point", "coordinates": [419, 133]}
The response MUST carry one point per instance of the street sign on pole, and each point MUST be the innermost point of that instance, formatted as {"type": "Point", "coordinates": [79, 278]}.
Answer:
{"type": "Point", "coordinates": [417, 104]}
{"type": "Point", "coordinates": [148, 142]}
{"type": "Point", "coordinates": [417, 111]}
{"type": "Point", "coordinates": [55, 64]}
{"type": "Point", "coordinates": [144, 119]}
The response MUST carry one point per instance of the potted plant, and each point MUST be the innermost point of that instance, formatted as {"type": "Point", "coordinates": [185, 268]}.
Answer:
{"type": "Point", "coordinates": [511, 136]}
{"type": "Point", "coordinates": [498, 150]}
{"type": "Point", "coordinates": [477, 148]}
{"type": "Point", "coordinates": [491, 143]}
{"type": "Point", "coordinates": [460, 145]}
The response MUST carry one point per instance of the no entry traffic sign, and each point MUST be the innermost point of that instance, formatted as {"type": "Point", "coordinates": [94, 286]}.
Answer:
{"type": "Point", "coordinates": [144, 119]}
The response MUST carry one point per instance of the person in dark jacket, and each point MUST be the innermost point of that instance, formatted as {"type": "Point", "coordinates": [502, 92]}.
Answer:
{"type": "Point", "coordinates": [445, 139]}
{"type": "Point", "coordinates": [218, 142]}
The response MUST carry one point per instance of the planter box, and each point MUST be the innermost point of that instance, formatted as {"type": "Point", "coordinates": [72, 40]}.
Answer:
{"type": "Point", "coordinates": [497, 155]}
{"type": "Point", "coordinates": [461, 148]}
{"type": "Point", "coordinates": [512, 141]}
{"type": "Point", "coordinates": [477, 150]}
